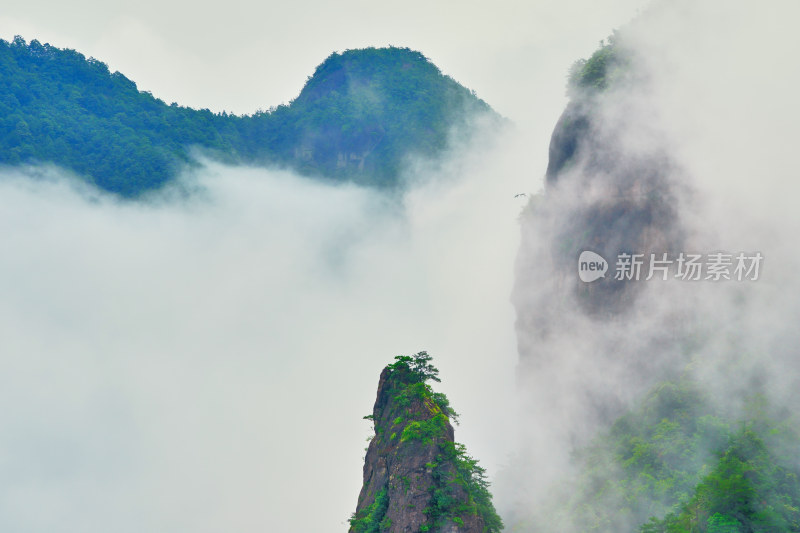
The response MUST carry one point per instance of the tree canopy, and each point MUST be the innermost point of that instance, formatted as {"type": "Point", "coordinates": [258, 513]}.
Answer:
{"type": "Point", "coordinates": [359, 117]}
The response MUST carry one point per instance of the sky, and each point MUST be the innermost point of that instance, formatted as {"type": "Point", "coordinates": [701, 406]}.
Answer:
{"type": "Point", "coordinates": [243, 55]}
{"type": "Point", "coordinates": [202, 364]}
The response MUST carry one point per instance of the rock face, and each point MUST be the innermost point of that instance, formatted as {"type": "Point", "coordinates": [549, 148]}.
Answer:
{"type": "Point", "coordinates": [614, 188]}
{"type": "Point", "coordinates": [611, 188]}
{"type": "Point", "coordinates": [415, 477]}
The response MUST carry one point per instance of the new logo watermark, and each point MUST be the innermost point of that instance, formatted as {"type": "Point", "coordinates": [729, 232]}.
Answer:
{"type": "Point", "coordinates": [591, 266]}
{"type": "Point", "coordinates": [717, 266]}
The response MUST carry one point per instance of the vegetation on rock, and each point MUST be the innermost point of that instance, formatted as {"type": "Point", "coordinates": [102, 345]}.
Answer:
{"type": "Point", "coordinates": [415, 475]}
{"type": "Point", "coordinates": [606, 65]}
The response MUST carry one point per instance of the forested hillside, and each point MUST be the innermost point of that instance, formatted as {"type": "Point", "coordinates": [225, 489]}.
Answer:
{"type": "Point", "coordinates": [679, 462]}
{"type": "Point", "coordinates": [357, 118]}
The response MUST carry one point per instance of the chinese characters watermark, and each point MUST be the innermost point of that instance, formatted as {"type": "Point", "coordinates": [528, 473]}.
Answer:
{"type": "Point", "coordinates": [717, 266]}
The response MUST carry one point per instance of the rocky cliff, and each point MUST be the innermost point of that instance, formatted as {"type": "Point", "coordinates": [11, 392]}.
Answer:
{"type": "Point", "coordinates": [416, 478]}
{"type": "Point", "coordinates": [590, 349]}
{"type": "Point", "coordinates": [611, 188]}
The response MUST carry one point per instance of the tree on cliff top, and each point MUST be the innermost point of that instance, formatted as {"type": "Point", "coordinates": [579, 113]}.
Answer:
{"type": "Point", "coordinates": [416, 477]}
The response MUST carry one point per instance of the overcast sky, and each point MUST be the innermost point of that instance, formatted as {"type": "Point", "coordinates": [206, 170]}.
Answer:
{"type": "Point", "coordinates": [204, 365]}
{"type": "Point", "coordinates": [242, 55]}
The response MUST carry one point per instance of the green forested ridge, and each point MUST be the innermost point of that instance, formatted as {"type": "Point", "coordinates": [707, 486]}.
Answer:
{"type": "Point", "coordinates": [679, 464]}
{"type": "Point", "coordinates": [357, 118]}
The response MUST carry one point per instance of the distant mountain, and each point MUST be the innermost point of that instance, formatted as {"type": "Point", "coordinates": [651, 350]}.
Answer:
{"type": "Point", "coordinates": [360, 115]}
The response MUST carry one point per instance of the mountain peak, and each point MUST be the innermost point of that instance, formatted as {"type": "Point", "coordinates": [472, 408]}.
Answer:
{"type": "Point", "coordinates": [365, 65]}
{"type": "Point", "coordinates": [416, 478]}
{"type": "Point", "coordinates": [360, 117]}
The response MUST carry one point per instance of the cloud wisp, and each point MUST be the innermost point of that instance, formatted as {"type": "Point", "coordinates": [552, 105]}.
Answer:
{"type": "Point", "coordinates": [201, 362]}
